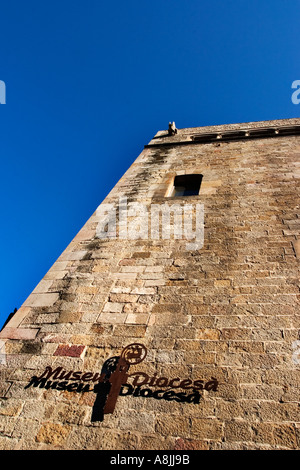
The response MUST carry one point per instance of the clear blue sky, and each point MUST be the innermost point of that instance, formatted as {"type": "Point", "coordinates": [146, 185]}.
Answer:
{"type": "Point", "coordinates": [89, 83]}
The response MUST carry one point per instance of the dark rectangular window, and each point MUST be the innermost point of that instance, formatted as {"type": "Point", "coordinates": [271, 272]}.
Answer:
{"type": "Point", "coordinates": [186, 185]}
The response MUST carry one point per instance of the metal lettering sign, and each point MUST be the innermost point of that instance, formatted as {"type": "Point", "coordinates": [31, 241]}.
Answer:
{"type": "Point", "coordinates": [114, 380]}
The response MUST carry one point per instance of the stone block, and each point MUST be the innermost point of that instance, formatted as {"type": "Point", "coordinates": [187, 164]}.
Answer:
{"type": "Point", "coordinates": [75, 255]}
{"type": "Point", "coordinates": [112, 318]}
{"type": "Point", "coordinates": [41, 300]}
{"type": "Point", "coordinates": [137, 319]}
{"type": "Point", "coordinates": [124, 276]}
{"type": "Point", "coordinates": [285, 436]}
{"type": "Point", "coordinates": [123, 298]}
{"type": "Point", "coordinates": [190, 444]}
{"type": "Point", "coordinates": [11, 408]}
{"type": "Point", "coordinates": [113, 307]}
{"type": "Point", "coordinates": [144, 291]}
{"type": "Point", "coordinates": [53, 433]}
{"type": "Point", "coordinates": [43, 286]}
{"type": "Point", "coordinates": [72, 350]}
{"type": "Point", "coordinates": [69, 317]}
{"type": "Point", "coordinates": [237, 430]}
{"type": "Point", "coordinates": [19, 333]}
{"type": "Point", "coordinates": [296, 245]}
{"type": "Point", "coordinates": [177, 426]}
{"type": "Point", "coordinates": [206, 429]}
{"type": "Point", "coordinates": [222, 282]}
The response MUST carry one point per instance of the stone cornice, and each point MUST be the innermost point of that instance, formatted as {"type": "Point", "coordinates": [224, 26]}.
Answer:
{"type": "Point", "coordinates": [227, 132]}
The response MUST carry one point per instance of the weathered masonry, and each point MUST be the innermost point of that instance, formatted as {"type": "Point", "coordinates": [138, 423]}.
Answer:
{"type": "Point", "coordinates": [165, 335]}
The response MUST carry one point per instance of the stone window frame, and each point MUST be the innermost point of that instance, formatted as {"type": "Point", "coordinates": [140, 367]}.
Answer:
{"type": "Point", "coordinates": [187, 183]}
{"type": "Point", "coordinates": [171, 180]}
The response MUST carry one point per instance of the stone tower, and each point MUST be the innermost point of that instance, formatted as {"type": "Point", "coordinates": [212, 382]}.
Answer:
{"type": "Point", "coordinates": [170, 322]}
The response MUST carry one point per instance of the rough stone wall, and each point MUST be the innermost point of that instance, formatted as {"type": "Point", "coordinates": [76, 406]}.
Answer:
{"type": "Point", "coordinates": [225, 314]}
